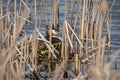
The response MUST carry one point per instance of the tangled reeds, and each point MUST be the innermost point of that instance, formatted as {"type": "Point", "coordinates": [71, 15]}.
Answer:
{"type": "Point", "coordinates": [79, 55]}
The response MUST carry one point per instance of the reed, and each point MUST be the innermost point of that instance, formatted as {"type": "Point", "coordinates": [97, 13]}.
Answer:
{"type": "Point", "coordinates": [80, 52]}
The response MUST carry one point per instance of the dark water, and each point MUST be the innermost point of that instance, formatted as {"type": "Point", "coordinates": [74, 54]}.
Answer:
{"type": "Point", "coordinates": [115, 23]}
{"type": "Point", "coordinates": [115, 31]}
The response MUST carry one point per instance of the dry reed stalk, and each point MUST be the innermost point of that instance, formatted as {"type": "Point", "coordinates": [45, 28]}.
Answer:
{"type": "Point", "coordinates": [4, 15]}
{"type": "Point", "coordinates": [64, 49]}
{"type": "Point", "coordinates": [112, 5]}
{"type": "Point", "coordinates": [54, 12]}
{"type": "Point", "coordinates": [80, 43]}
{"type": "Point", "coordinates": [21, 60]}
{"type": "Point", "coordinates": [59, 69]}
{"type": "Point", "coordinates": [41, 12]}
{"type": "Point", "coordinates": [46, 18]}
{"type": "Point", "coordinates": [20, 5]}
{"type": "Point", "coordinates": [63, 42]}
{"type": "Point", "coordinates": [25, 62]}
{"type": "Point", "coordinates": [52, 25]}
{"type": "Point", "coordinates": [66, 10]}
{"type": "Point", "coordinates": [7, 23]}
{"type": "Point", "coordinates": [66, 54]}
{"type": "Point", "coordinates": [83, 20]}
{"type": "Point", "coordinates": [67, 39]}
{"type": "Point", "coordinates": [27, 53]}
{"type": "Point", "coordinates": [76, 58]}
{"type": "Point", "coordinates": [77, 65]}
{"type": "Point", "coordinates": [22, 18]}
{"type": "Point", "coordinates": [35, 42]}
{"type": "Point", "coordinates": [9, 31]}
{"type": "Point", "coordinates": [109, 29]}
{"type": "Point", "coordinates": [8, 57]}
{"type": "Point", "coordinates": [49, 45]}
{"type": "Point", "coordinates": [103, 7]}
{"type": "Point", "coordinates": [11, 50]}
{"type": "Point", "coordinates": [87, 59]}
{"type": "Point", "coordinates": [93, 28]}
{"type": "Point", "coordinates": [57, 15]}
{"type": "Point", "coordinates": [7, 35]}
{"type": "Point", "coordinates": [22, 57]}
{"type": "Point", "coordinates": [102, 14]}
{"type": "Point", "coordinates": [108, 38]}
{"type": "Point", "coordinates": [13, 75]}
{"type": "Point", "coordinates": [80, 30]}
{"type": "Point", "coordinates": [13, 57]}
{"type": "Point", "coordinates": [85, 42]}
{"type": "Point", "coordinates": [94, 45]}
{"type": "Point", "coordinates": [72, 8]}
{"type": "Point", "coordinates": [72, 11]}
{"type": "Point", "coordinates": [68, 36]}
{"type": "Point", "coordinates": [94, 23]}
{"type": "Point", "coordinates": [34, 51]}
{"type": "Point", "coordinates": [75, 22]}
{"type": "Point", "coordinates": [35, 12]}
{"type": "Point", "coordinates": [15, 27]}
{"type": "Point", "coordinates": [63, 33]}
{"type": "Point", "coordinates": [1, 23]}
{"type": "Point", "coordinates": [103, 50]}
{"type": "Point", "coordinates": [94, 36]}
{"type": "Point", "coordinates": [20, 24]}
{"type": "Point", "coordinates": [8, 71]}
{"type": "Point", "coordinates": [74, 26]}
{"type": "Point", "coordinates": [105, 73]}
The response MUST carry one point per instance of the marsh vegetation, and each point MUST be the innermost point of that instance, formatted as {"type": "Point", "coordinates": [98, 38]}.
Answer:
{"type": "Point", "coordinates": [72, 48]}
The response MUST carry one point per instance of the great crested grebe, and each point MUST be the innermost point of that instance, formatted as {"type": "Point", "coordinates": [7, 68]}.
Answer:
{"type": "Point", "coordinates": [52, 31]}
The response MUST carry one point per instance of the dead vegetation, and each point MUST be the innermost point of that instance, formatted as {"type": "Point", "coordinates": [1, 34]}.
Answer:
{"type": "Point", "coordinates": [83, 45]}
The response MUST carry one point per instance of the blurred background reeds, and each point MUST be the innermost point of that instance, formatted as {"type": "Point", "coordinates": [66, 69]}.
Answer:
{"type": "Point", "coordinates": [59, 40]}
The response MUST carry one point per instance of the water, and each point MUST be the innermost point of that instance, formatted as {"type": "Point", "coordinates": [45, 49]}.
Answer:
{"type": "Point", "coordinates": [115, 31]}
{"type": "Point", "coordinates": [115, 24]}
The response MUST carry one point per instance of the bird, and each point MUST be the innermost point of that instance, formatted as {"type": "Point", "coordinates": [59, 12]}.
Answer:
{"type": "Point", "coordinates": [52, 31]}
